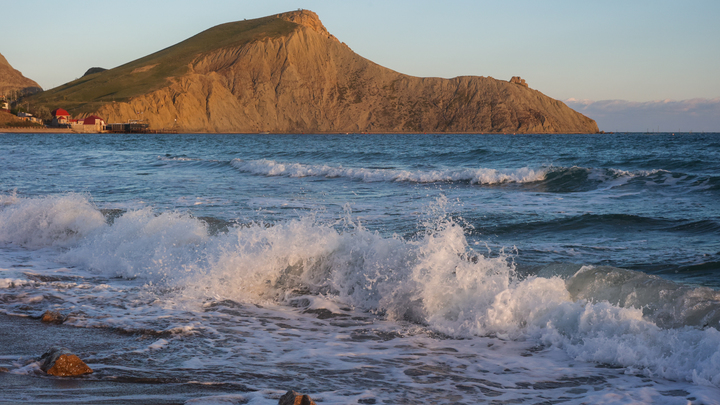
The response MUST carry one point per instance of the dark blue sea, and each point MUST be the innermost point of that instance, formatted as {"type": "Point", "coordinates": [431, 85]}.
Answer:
{"type": "Point", "coordinates": [363, 269]}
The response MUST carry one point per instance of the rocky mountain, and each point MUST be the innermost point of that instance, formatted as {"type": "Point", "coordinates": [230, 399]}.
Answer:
{"type": "Point", "coordinates": [11, 80]}
{"type": "Point", "coordinates": [287, 74]}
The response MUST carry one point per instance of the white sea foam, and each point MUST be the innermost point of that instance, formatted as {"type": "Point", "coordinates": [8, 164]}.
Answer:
{"type": "Point", "coordinates": [141, 243]}
{"type": "Point", "coordinates": [51, 221]}
{"type": "Point", "coordinates": [474, 176]}
{"type": "Point", "coordinates": [178, 159]}
{"type": "Point", "coordinates": [435, 280]}
{"type": "Point", "coordinates": [611, 178]}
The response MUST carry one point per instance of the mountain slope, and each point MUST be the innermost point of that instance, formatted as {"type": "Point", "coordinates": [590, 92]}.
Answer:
{"type": "Point", "coordinates": [286, 73]}
{"type": "Point", "coordinates": [12, 80]}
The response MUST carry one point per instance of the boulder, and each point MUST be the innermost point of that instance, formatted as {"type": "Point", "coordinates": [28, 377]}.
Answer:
{"type": "Point", "coordinates": [58, 361]}
{"type": "Point", "coordinates": [518, 80]}
{"type": "Point", "coordinates": [295, 398]}
{"type": "Point", "coordinates": [4, 370]}
{"type": "Point", "coordinates": [53, 317]}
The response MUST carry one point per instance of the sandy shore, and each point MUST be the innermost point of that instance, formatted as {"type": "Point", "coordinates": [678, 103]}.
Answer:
{"type": "Point", "coordinates": [36, 131]}
{"type": "Point", "coordinates": [24, 339]}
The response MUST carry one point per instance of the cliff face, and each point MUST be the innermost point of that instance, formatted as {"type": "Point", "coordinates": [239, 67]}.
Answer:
{"type": "Point", "coordinates": [12, 80]}
{"type": "Point", "coordinates": [308, 81]}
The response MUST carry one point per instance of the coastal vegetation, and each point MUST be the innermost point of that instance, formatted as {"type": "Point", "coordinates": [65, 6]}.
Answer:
{"type": "Point", "coordinates": [152, 72]}
{"type": "Point", "coordinates": [8, 120]}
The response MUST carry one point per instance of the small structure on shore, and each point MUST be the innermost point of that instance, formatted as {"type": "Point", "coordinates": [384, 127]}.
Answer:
{"type": "Point", "coordinates": [136, 127]}
{"type": "Point", "coordinates": [131, 127]}
{"type": "Point", "coordinates": [61, 118]}
{"type": "Point", "coordinates": [29, 118]}
{"type": "Point", "coordinates": [92, 123]}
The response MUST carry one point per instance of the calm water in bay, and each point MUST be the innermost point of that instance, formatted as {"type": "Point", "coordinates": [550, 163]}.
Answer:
{"type": "Point", "coordinates": [375, 268]}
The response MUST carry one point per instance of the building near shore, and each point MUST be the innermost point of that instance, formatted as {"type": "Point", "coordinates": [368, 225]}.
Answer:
{"type": "Point", "coordinates": [91, 124]}
{"type": "Point", "coordinates": [61, 118]}
{"type": "Point", "coordinates": [29, 117]}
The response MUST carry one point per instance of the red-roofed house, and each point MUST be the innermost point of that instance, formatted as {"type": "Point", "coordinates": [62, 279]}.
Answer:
{"type": "Point", "coordinates": [60, 117]}
{"type": "Point", "coordinates": [94, 120]}
{"type": "Point", "coordinates": [92, 123]}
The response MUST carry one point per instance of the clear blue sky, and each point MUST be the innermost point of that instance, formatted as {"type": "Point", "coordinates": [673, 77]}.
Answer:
{"type": "Point", "coordinates": [634, 50]}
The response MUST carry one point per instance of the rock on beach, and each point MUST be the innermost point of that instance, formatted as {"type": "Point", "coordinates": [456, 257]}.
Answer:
{"type": "Point", "coordinates": [53, 317]}
{"type": "Point", "coordinates": [60, 362]}
{"type": "Point", "coordinates": [295, 398]}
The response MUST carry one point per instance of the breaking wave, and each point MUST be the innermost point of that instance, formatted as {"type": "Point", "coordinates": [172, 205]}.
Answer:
{"type": "Point", "coordinates": [546, 179]}
{"type": "Point", "coordinates": [474, 176]}
{"type": "Point", "coordinates": [605, 315]}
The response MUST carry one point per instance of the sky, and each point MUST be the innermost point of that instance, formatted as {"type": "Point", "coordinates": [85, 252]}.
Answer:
{"type": "Point", "coordinates": [619, 62]}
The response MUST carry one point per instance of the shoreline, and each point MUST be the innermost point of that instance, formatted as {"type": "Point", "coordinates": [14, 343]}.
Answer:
{"type": "Point", "coordinates": [25, 130]}
{"type": "Point", "coordinates": [24, 339]}
{"type": "Point", "coordinates": [70, 131]}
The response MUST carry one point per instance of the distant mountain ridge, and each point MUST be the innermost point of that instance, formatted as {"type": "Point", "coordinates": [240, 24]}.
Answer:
{"type": "Point", "coordinates": [287, 74]}
{"type": "Point", "coordinates": [11, 80]}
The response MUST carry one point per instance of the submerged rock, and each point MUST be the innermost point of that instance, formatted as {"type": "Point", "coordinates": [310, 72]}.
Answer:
{"type": "Point", "coordinates": [58, 361]}
{"type": "Point", "coordinates": [4, 370]}
{"type": "Point", "coordinates": [295, 398]}
{"type": "Point", "coordinates": [53, 317]}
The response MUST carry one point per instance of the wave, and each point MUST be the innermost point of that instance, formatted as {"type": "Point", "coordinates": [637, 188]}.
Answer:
{"type": "Point", "coordinates": [474, 176]}
{"type": "Point", "coordinates": [595, 223]}
{"type": "Point", "coordinates": [544, 179]}
{"type": "Point", "coordinates": [604, 315]}
{"type": "Point", "coordinates": [665, 303]}
{"type": "Point", "coordinates": [51, 221]}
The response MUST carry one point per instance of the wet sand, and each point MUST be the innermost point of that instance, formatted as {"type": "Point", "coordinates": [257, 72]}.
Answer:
{"type": "Point", "coordinates": [24, 339]}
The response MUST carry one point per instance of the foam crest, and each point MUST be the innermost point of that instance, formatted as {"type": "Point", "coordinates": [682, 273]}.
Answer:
{"type": "Point", "coordinates": [142, 244]}
{"type": "Point", "coordinates": [474, 176]}
{"type": "Point", "coordinates": [436, 280]}
{"type": "Point", "coordinates": [50, 221]}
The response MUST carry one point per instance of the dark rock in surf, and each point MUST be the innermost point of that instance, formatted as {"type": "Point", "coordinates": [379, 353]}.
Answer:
{"type": "Point", "coordinates": [4, 370]}
{"type": "Point", "coordinates": [58, 361]}
{"type": "Point", "coordinates": [53, 317]}
{"type": "Point", "coordinates": [295, 398]}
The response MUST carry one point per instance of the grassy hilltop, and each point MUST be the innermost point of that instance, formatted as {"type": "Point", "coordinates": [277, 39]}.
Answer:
{"type": "Point", "coordinates": [145, 75]}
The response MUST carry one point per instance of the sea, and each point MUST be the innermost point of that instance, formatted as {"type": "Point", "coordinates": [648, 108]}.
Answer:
{"type": "Point", "coordinates": [370, 268]}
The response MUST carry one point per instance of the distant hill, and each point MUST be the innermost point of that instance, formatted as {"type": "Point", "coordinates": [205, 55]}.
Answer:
{"type": "Point", "coordinates": [287, 74]}
{"type": "Point", "coordinates": [94, 70]}
{"type": "Point", "coordinates": [12, 80]}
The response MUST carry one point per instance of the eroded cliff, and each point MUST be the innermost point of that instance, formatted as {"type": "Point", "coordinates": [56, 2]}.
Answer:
{"type": "Point", "coordinates": [302, 79]}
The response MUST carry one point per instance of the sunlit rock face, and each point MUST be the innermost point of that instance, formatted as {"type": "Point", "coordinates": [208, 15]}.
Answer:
{"type": "Point", "coordinates": [12, 81]}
